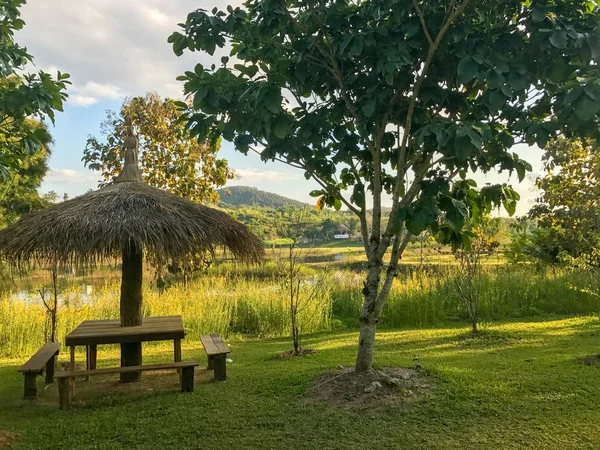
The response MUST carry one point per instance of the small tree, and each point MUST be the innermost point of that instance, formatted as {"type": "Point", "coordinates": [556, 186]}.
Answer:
{"type": "Point", "coordinates": [50, 301]}
{"type": "Point", "coordinates": [468, 273]}
{"type": "Point", "coordinates": [395, 99]}
{"type": "Point", "coordinates": [304, 297]}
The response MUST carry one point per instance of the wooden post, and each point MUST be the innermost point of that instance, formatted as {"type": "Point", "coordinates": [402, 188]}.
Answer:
{"type": "Point", "coordinates": [65, 392]}
{"type": "Point", "coordinates": [50, 370]}
{"type": "Point", "coordinates": [30, 386]}
{"type": "Point", "coordinates": [72, 350]}
{"type": "Point", "coordinates": [177, 353]}
{"type": "Point", "coordinates": [187, 379]}
{"type": "Point", "coordinates": [93, 349]}
{"type": "Point", "coordinates": [211, 363]}
{"type": "Point", "coordinates": [131, 307]}
{"type": "Point", "coordinates": [220, 369]}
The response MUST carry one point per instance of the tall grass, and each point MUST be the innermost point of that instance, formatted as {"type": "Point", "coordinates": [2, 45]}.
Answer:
{"type": "Point", "coordinates": [234, 304]}
{"type": "Point", "coordinates": [427, 297]}
{"type": "Point", "coordinates": [215, 304]}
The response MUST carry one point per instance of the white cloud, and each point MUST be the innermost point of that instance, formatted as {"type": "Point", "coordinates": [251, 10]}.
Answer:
{"type": "Point", "coordinates": [98, 90]}
{"type": "Point", "coordinates": [113, 47]}
{"type": "Point", "coordinates": [82, 100]}
{"type": "Point", "coordinates": [248, 176]}
{"type": "Point", "coordinates": [69, 176]}
{"type": "Point", "coordinates": [157, 16]}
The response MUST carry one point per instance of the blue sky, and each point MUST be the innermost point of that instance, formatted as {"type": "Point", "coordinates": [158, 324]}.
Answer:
{"type": "Point", "coordinates": [118, 48]}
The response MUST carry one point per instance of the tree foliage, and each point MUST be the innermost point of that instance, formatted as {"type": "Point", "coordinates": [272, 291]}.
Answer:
{"type": "Point", "coordinates": [569, 205]}
{"type": "Point", "coordinates": [396, 99]}
{"type": "Point", "coordinates": [19, 194]}
{"type": "Point", "coordinates": [170, 158]}
{"type": "Point", "coordinates": [23, 96]}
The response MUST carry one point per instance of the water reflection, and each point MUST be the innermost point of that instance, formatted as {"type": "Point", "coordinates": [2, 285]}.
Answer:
{"type": "Point", "coordinates": [75, 293]}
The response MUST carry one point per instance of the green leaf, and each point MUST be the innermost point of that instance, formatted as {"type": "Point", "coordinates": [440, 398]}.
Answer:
{"type": "Point", "coordinates": [369, 107]}
{"type": "Point", "coordinates": [463, 147]}
{"type": "Point", "coordinates": [399, 219]}
{"type": "Point", "coordinates": [316, 193]}
{"type": "Point", "coordinates": [273, 103]}
{"type": "Point", "coordinates": [467, 70]}
{"type": "Point", "coordinates": [4, 172]}
{"type": "Point", "coordinates": [559, 39]}
{"type": "Point", "coordinates": [586, 107]}
{"type": "Point", "coordinates": [419, 219]}
{"type": "Point", "coordinates": [337, 204]}
{"type": "Point", "coordinates": [497, 100]}
{"type": "Point", "coordinates": [358, 196]}
{"type": "Point", "coordinates": [281, 127]}
{"type": "Point", "coordinates": [538, 15]}
{"type": "Point", "coordinates": [572, 95]}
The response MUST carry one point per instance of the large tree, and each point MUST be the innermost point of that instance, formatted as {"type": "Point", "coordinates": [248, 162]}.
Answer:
{"type": "Point", "coordinates": [22, 96]}
{"type": "Point", "coordinates": [568, 207]}
{"type": "Point", "coordinates": [395, 101]}
{"type": "Point", "coordinates": [170, 158]}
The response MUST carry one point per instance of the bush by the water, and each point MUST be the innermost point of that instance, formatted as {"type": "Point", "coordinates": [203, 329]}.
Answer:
{"type": "Point", "coordinates": [253, 304]}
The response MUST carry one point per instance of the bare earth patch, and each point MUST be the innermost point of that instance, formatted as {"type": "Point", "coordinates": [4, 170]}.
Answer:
{"type": "Point", "coordinates": [344, 388]}
{"type": "Point", "coordinates": [7, 438]}
{"type": "Point", "coordinates": [303, 352]}
{"type": "Point", "coordinates": [592, 360]}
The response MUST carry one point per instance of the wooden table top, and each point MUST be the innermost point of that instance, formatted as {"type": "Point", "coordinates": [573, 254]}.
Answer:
{"type": "Point", "coordinates": [93, 332]}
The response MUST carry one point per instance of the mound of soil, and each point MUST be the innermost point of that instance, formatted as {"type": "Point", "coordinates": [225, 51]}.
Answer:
{"type": "Point", "coordinates": [347, 389]}
{"type": "Point", "coordinates": [7, 438]}
{"type": "Point", "coordinates": [592, 360]}
{"type": "Point", "coordinates": [303, 352]}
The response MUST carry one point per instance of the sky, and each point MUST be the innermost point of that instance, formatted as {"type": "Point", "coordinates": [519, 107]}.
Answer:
{"type": "Point", "coordinates": [118, 48]}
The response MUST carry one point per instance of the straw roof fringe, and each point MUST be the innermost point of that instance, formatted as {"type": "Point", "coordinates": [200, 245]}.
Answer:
{"type": "Point", "coordinates": [96, 226]}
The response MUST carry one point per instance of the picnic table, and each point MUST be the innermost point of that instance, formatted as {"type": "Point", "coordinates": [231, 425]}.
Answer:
{"type": "Point", "coordinates": [92, 333]}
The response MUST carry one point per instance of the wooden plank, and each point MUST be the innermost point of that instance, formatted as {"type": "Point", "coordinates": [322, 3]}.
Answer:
{"type": "Point", "coordinates": [209, 345]}
{"type": "Point", "coordinates": [128, 369]}
{"type": "Point", "coordinates": [110, 331]}
{"type": "Point", "coordinates": [214, 345]}
{"type": "Point", "coordinates": [37, 362]}
{"type": "Point", "coordinates": [222, 346]}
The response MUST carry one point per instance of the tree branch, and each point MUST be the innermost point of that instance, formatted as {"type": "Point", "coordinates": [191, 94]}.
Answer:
{"type": "Point", "coordinates": [423, 24]}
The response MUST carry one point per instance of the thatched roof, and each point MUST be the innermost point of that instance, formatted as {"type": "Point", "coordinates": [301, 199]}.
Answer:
{"type": "Point", "coordinates": [98, 224]}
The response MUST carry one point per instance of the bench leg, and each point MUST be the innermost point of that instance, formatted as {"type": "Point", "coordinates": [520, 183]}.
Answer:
{"type": "Point", "coordinates": [65, 393]}
{"type": "Point", "coordinates": [50, 370]}
{"type": "Point", "coordinates": [30, 386]}
{"type": "Point", "coordinates": [211, 363]}
{"type": "Point", "coordinates": [187, 379]}
{"type": "Point", "coordinates": [220, 369]}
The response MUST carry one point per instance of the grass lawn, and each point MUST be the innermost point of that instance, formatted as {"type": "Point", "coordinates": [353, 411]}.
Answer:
{"type": "Point", "coordinates": [518, 385]}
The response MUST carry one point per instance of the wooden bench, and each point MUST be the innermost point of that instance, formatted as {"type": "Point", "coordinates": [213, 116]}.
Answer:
{"type": "Point", "coordinates": [216, 351]}
{"type": "Point", "coordinates": [66, 379]}
{"type": "Point", "coordinates": [44, 357]}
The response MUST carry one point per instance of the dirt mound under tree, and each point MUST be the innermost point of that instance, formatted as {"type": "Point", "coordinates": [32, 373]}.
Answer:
{"type": "Point", "coordinates": [344, 388]}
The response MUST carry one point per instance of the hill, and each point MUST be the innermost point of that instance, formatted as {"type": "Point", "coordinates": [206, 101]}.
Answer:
{"type": "Point", "coordinates": [245, 195]}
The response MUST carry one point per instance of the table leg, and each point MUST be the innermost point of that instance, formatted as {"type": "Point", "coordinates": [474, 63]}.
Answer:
{"type": "Point", "coordinates": [72, 357]}
{"type": "Point", "coordinates": [177, 353]}
{"type": "Point", "coordinates": [71, 384]}
{"type": "Point", "coordinates": [93, 356]}
{"type": "Point", "coordinates": [87, 361]}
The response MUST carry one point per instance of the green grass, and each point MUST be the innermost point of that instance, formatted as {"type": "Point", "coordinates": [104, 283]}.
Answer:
{"type": "Point", "coordinates": [518, 385]}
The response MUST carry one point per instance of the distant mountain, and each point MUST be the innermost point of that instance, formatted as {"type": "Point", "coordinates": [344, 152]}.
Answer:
{"type": "Point", "coordinates": [245, 195]}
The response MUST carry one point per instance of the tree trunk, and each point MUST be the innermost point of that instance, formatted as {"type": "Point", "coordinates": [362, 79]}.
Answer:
{"type": "Point", "coordinates": [368, 319]}
{"type": "Point", "coordinates": [131, 307]}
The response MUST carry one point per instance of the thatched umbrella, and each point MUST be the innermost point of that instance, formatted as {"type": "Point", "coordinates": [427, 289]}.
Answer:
{"type": "Point", "coordinates": [127, 218]}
